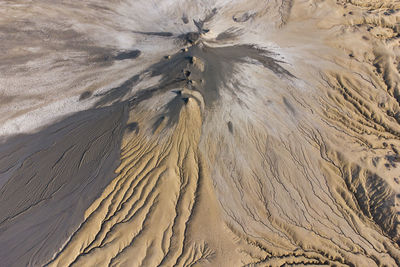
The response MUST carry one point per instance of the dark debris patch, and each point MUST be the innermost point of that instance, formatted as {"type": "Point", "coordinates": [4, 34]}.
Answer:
{"type": "Point", "coordinates": [85, 95]}
{"type": "Point", "coordinates": [243, 18]}
{"type": "Point", "coordinates": [128, 55]}
{"type": "Point", "coordinates": [185, 19]}
{"type": "Point", "coordinates": [230, 127]}
{"type": "Point", "coordinates": [133, 127]}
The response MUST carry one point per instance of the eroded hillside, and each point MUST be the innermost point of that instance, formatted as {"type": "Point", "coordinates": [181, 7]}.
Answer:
{"type": "Point", "coordinates": [200, 133]}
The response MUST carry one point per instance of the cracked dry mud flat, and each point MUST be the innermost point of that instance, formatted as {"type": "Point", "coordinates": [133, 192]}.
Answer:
{"type": "Point", "coordinates": [200, 133]}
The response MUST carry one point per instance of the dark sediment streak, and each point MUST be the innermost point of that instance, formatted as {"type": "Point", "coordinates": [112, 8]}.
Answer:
{"type": "Point", "coordinates": [128, 55]}
{"type": "Point", "coordinates": [161, 34]}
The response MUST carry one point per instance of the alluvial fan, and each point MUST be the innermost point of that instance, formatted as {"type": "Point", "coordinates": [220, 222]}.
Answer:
{"type": "Point", "coordinates": [200, 133]}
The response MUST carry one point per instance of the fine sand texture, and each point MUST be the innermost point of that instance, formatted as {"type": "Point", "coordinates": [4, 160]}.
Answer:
{"type": "Point", "coordinates": [200, 133]}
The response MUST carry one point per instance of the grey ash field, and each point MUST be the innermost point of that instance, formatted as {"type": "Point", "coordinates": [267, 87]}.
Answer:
{"type": "Point", "coordinates": [200, 133]}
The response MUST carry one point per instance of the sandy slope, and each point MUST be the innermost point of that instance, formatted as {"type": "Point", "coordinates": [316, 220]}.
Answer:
{"type": "Point", "coordinates": [200, 133]}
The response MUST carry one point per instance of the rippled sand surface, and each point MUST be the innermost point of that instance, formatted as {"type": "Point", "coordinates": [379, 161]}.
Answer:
{"type": "Point", "coordinates": [200, 133]}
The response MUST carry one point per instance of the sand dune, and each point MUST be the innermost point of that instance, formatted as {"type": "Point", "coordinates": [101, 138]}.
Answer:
{"type": "Point", "coordinates": [200, 133]}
